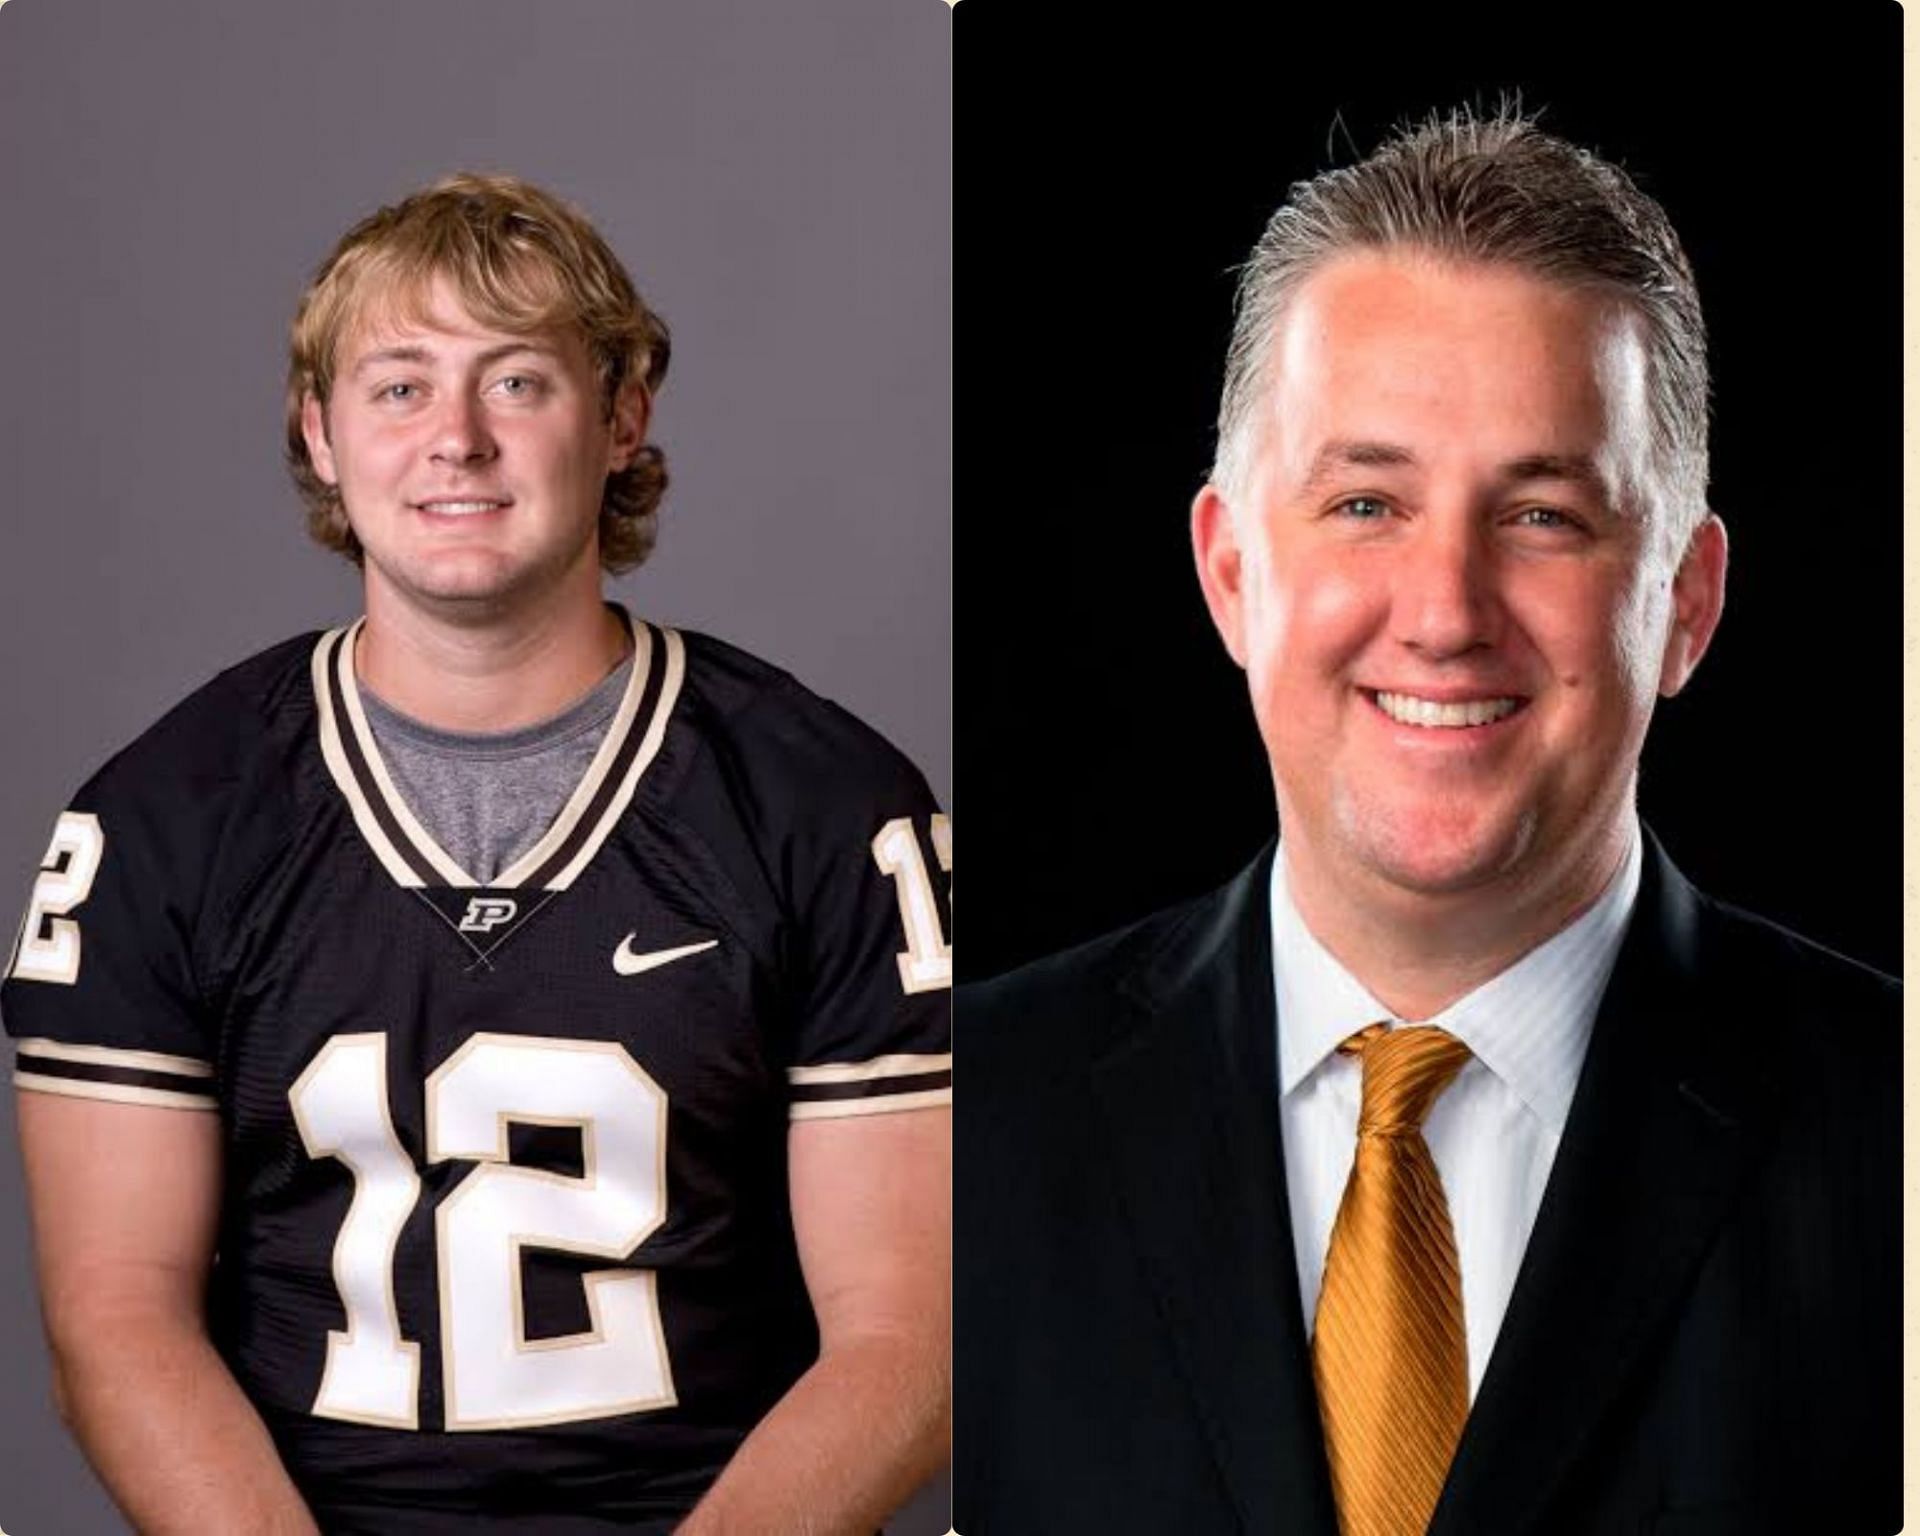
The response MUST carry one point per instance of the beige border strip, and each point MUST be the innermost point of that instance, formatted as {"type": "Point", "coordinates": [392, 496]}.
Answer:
{"type": "Point", "coordinates": [1910, 742]}
{"type": "Point", "coordinates": [867, 1071]}
{"type": "Point", "coordinates": [119, 1093]}
{"type": "Point", "coordinates": [111, 1056]}
{"type": "Point", "coordinates": [834, 1109]}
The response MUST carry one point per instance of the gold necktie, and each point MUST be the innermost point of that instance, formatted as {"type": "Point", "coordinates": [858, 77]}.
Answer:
{"type": "Point", "coordinates": [1389, 1335]}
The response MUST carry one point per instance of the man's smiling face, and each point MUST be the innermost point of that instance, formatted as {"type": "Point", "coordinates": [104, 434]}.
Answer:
{"type": "Point", "coordinates": [1441, 578]}
{"type": "Point", "coordinates": [471, 461]}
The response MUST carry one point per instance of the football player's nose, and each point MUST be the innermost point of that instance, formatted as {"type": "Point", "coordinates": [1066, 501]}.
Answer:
{"type": "Point", "coordinates": [460, 435]}
{"type": "Point", "coordinates": [1444, 597]}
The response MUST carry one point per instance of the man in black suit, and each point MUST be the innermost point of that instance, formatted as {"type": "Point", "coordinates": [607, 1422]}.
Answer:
{"type": "Point", "coordinates": [1458, 1167]}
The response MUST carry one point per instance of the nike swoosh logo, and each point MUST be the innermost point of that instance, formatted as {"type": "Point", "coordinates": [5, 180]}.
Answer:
{"type": "Point", "coordinates": [627, 963]}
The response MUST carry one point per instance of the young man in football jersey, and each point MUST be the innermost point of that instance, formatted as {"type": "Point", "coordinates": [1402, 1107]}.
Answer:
{"type": "Point", "coordinates": [486, 1066]}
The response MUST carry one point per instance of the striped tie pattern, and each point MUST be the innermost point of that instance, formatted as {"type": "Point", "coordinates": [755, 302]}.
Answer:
{"type": "Point", "coordinates": [1389, 1334]}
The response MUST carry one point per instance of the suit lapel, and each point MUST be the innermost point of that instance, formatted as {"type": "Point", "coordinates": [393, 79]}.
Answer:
{"type": "Point", "coordinates": [1189, 1102]}
{"type": "Point", "coordinates": [1663, 1125]}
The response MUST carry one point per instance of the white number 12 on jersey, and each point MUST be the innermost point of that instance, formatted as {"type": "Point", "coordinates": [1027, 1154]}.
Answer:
{"type": "Point", "coordinates": [927, 961]}
{"type": "Point", "coordinates": [65, 880]}
{"type": "Point", "coordinates": [495, 1376]}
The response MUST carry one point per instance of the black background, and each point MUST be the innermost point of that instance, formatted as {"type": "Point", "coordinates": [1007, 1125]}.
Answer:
{"type": "Point", "coordinates": [1113, 176]}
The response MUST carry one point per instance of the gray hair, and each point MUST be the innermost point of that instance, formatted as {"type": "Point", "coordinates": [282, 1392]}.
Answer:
{"type": "Point", "coordinates": [1497, 190]}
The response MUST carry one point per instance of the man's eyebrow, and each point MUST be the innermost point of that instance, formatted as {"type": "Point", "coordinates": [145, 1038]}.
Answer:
{"type": "Point", "coordinates": [1345, 453]}
{"type": "Point", "coordinates": [1576, 467]}
{"type": "Point", "coordinates": [414, 353]}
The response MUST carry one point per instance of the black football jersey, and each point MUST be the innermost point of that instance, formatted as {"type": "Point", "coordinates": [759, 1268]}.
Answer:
{"type": "Point", "coordinates": [505, 1229]}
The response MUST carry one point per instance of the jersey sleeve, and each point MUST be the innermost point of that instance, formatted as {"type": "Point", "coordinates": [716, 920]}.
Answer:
{"type": "Point", "coordinates": [99, 991]}
{"type": "Point", "coordinates": [871, 868]}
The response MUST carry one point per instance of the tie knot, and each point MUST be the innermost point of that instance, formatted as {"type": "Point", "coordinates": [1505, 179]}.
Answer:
{"type": "Point", "coordinates": [1402, 1071]}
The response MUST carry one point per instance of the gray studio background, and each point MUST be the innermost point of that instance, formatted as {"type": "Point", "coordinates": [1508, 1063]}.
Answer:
{"type": "Point", "coordinates": [777, 176]}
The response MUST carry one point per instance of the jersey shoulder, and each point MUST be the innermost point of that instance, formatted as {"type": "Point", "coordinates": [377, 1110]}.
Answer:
{"type": "Point", "coordinates": [197, 795]}
{"type": "Point", "coordinates": [832, 840]}
{"type": "Point", "coordinates": [761, 722]}
{"type": "Point", "coordinates": [765, 760]}
{"type": "Point", "coordinates": [117, 944]}
{"type": "Point", "coordinates": [215, 736]}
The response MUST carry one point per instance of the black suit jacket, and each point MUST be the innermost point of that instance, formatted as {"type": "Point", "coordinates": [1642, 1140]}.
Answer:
{"type": "Point", "coordinates": [1704, 1335]}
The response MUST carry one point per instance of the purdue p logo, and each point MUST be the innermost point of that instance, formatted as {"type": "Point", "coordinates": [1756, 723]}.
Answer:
{"type": "Point", "coordinates": [484, 912]}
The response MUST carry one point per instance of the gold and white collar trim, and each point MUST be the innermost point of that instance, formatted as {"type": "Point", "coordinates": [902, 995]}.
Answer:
{"type": "Point", "coordinates": [408, 851]}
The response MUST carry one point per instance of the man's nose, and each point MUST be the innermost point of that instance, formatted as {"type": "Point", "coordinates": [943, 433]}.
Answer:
{"type": "Point", "coordinates": [1445, 591]}
{"type": "Point", "coordinates": [460, 432]}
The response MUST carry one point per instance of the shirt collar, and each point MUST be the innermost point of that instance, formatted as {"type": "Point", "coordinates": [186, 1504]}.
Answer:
{"type": "Point", "coordinates": [1529, 1025]}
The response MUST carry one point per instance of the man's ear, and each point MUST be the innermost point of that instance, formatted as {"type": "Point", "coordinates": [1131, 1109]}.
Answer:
{"type": "Point", "coordinates": [1216, 556]}
{"type": "Point", "coordinates": [631, 410]}
{"type": "Point", "coordinates": [1699, 594]}
{"type": "Point", "coordinates": [313, 427]}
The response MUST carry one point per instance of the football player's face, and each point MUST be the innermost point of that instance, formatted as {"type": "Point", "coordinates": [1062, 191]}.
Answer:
{"type": "Point", "coordinates": [471, 461]}
{"type": "Point", "coordinates": [1442, 583]}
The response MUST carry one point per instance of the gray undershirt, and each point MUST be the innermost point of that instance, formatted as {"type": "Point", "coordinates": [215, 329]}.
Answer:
{"type": "Point", "coordinates": [487, 797]}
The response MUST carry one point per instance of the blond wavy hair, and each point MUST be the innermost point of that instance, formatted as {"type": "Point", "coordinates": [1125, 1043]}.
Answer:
{"type": "Point", "coordinates": [520, 260]}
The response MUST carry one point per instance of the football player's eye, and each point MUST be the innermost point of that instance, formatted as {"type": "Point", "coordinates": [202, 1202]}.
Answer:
{"type": "Point", "coordinates": [399, 392]}
{"type": "Point", "coordinates": [519, 386]}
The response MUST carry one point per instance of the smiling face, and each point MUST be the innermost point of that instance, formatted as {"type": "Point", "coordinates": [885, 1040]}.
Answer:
{"type": "Point", "coordinates": [1441, 581]}
{"type": "Point", "coordinates": [471, 462]}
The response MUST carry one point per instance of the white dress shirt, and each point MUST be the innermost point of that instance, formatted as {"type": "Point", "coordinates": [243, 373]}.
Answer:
{"type": "Point", "coordinates": [1493, 1132]}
